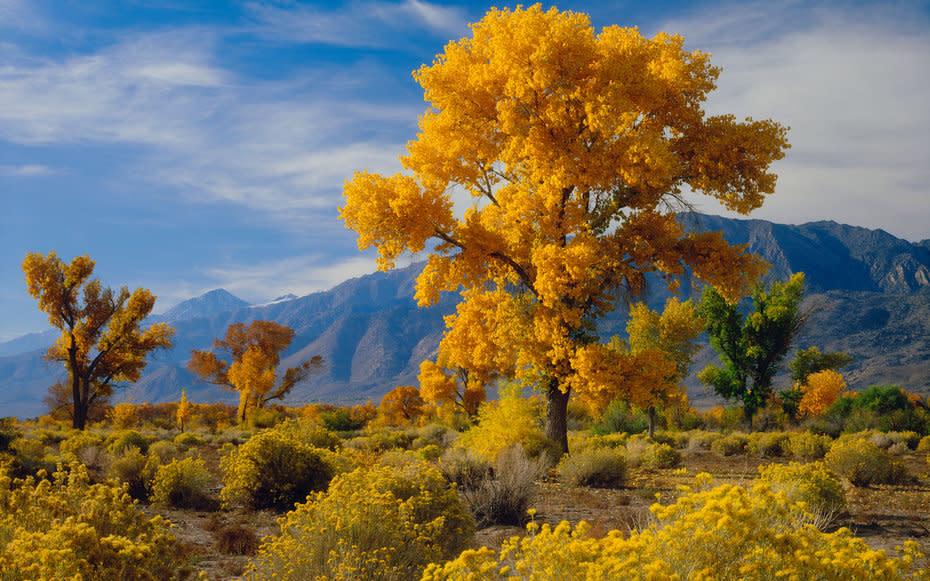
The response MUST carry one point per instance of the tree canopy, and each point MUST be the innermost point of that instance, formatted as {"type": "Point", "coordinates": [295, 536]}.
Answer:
{"type": "Point", "coordinates": [255, 353]}
{"type": "Point", "coordinates": [101, 343]}
{"type": "Point", "coordinates": [751, 345]}
{"type": "Point", "coordinates": [574, 148]}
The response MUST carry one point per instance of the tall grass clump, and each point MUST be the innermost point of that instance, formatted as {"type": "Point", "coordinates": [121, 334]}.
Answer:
{"type": "Point", "coordinates": [594, 467]}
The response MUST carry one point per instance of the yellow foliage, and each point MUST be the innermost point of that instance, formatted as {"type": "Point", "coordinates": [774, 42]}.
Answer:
{"type": "Point", "coordinates": [66, 528]}
{"type": "Point", "coordinates": [821, 391]}
{"type": "Point", "coordinates": [101, 344]}
{"type": "Point", "coordinates": [510, 421]}
{"type": "Point", "coordinates": [401, 405]}
{"type": "Point", "coordinates": [724, 533]}
{"type": "Point", "coordinates": [574, 145]}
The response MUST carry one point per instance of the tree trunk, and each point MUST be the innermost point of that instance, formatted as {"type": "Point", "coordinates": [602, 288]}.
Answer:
{"type": "Point", "coordinates": [651, 414]}
{"type": "Point", "coordinates": [557, 415]}
{"type": "Point", "coordinates": [78, 404]}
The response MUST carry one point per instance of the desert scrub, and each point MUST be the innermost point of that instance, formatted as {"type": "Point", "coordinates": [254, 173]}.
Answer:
{"type": "Point", "coordinates": [924, 444]}
{"type": "Point", "coordinates": [513, 420]}
{"type": "Point", "coordinates": [311, 433]}
{"type": "Point", "coordinates": [767, 444]}
{"type": "Point", "coordinates": [186, 440]}
{"type": "Point", "coordinates": [183, 484]}
{"type": "Point", "coordinates": [808, 445]}
{"type": "Point", "coordinates": [273, 471]}
{"type": "Point", "coordinates": [723, 533]}
{"type": "Point", "coordinates": [733, 444]}
{"type": "Point", "coordinates": [135, 470]}
{"type": "Point", "coordinates": [642, 451]}
{"type": "Point", "coordinates": [65, 528]}
{"type": "Point", "coordinates": [863, 463]}
{"type": "Point", "coordinates": [28, 457]}
{"type": "Point", "coordinates": [594, 467]}
{"type": "Point", "coordinates": [813, 484]}
{"type": "Point", "coordinates": [383, 523]}
{"type": "Point", "coordinates": [504, 494]}
{"type": "Point", "coordinates": [119, 441]}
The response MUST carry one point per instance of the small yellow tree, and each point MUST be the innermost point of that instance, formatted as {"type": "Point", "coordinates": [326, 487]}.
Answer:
{"type": "Point", "coordinates": [459, 391]}
{"type": "Point", "coordinates": [255, 351]}
{"type": "Point", "coordinates": [184, 411]}
{"type": "Point", "coordinates": [402, 405]}
{"type": "Point", "coordinates": [822, 389]}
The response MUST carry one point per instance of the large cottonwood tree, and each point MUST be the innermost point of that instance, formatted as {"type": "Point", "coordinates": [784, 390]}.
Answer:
{"type": "Point", "coordinates": [575, 147]}
{"type": "Point", "coordinates": [255, 353]}
{"type": "Point", "coordinates": [101, 342]}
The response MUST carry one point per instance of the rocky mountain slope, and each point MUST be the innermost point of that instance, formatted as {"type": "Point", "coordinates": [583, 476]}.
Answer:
{"type": "Point", "coordinates": [870, 292]}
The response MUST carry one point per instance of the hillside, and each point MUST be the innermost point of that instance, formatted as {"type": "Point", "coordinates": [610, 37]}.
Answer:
{"type": "Point", "coordinates": [871, 292]}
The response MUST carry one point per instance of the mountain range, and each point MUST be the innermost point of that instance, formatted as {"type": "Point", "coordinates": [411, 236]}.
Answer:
{"type": "Point", "coordinates": [869, 293]}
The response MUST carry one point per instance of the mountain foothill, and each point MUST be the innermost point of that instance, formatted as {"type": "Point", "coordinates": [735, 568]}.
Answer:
{"type": "Point", "coordinates": [868, 293]}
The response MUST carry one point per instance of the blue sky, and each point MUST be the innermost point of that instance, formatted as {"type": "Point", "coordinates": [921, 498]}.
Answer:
{"type": "Point", "coordinates": [192, 145]}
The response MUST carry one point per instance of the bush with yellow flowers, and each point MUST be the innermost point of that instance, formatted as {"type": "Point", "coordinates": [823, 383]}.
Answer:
{"type": "Point", "coordinates": [387, 523]}
{"type": "Point", "coordinates": [808, 445]}
{"type": "Point", "coordinates": [813, 484]}
{"type": "Point", "coordinates": [594, 467]}
{"type": "Point", "coordinates": [864, 463]}
{"type": "Point", "coordinates": [183, 484]}
{"type": "Point", "coordinates": [723, 533]}
{"type": "Point", "coordinates": [274, 470]}
{"type": "Point", "coordinates": [64, 528]}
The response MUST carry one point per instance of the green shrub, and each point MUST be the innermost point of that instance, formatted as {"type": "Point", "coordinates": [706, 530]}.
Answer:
{"type": "Point", "coordinates": [732, 444]}
{"type": "Point", "coordinates": [135, 470]}
{"type": "Point", "coordinates": [341, 420]}
{"type": "Point", "coordinates": [164, 451]}
{"type": "Point", "coordinates": [618, 417]}
{"type": "Point", "coordinates": [594, 467]}
{"type": "Point", "coordinates": [661, 456]}
{"type": "Point", "coordinates": [430, 452]}
{"type": "Point", "coordinates": [767, 444]}
{"type": "Point", "coordinates": [386, 523]}
{"type": "Point", "coordinates": [813, 484]}
{"type": "Point", "coordinates": [29, 456]}
{"type": "Point", "coordinates": [274, 471]}
{"type": "Point", "coordinates": [863, 463]}
{"type": "Point", "coordinates": [187, 440]}
{"type": "Point", "coordinates": [498, 493]}
{"type": "Point", "coordinates": [183, 484]}
{"type": "Point", "coordinates": [641, 450]}
{"type": "Point", "coordinates": [123, 439]}
{"type": "Point", "coordinates": [79, 444]}
{"type": "Point", "coordinates": [8, 433]}
{"type": "Point", "coordinates": [808, 445]}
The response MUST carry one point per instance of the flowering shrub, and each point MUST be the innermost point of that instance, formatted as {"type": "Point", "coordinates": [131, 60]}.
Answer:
{"type": "Point", "coordinates": [272, 470]}
{"type": "Point", "coordinates": [595, 467]}
{"type": "Point", "coordinates": [924, 444]}
{"type": "Point", "coordinates": [187, 440]}
{"type": "Point", "coordinates": [119, 441]}
{"type": "Point", "coordinates": [728, 532]}
{"type": "Point", "coordinates": [65, 528]}
{"type": "Point", "coordinates": [863, 463]}
{"type": "Point", "coordinates": [730, 445]}
{"type": "Point", "coordinates": [813, 484]}
{"type": "Point", "coordinates": [766, 444]}
{"type": "Point", "coordinates": [808, 445]}
{"type": "Point", "coordinates": [311, 433]}
{"type": "Point", "coordinates": [640, 450]}
{"type": "Point", "coordinates": [385, 523]}
{"type": "Point", "coordinates": [134, 470]}
{"type": "Point", "coordinates": [183, 484]}
{"type": "Point", "coordinates": [512, 420]}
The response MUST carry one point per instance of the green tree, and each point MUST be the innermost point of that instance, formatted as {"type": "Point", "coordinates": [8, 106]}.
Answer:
{"type": "Point", "coordinates": [575, 147]}
{"type": "Point", "coordinates": [751, 345]}
{"type": "Point", "coordinates": [101, 343]}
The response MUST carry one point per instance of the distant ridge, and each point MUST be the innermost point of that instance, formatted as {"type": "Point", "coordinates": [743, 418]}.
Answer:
{"type": "Point", "coordinates": [872, 292]}
{"type": "Point", "coordinates": [206, 305]}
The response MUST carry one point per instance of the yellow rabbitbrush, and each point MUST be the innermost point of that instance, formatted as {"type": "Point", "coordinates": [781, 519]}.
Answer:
{"type": "Point", "coordinates": [725, 533]}
{"type": "Point", "coordinates": [575, 148]}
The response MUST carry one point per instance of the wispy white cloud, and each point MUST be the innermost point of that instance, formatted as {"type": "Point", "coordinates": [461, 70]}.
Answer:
{"type": "Point", "coordinates": [29, 170]}
{"type": "Point", "coordinates": [300, 275]}
{"type": "Point", "coordinates": [852, 83]}
{"type": "Point", "coordinates": [360, 24]}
